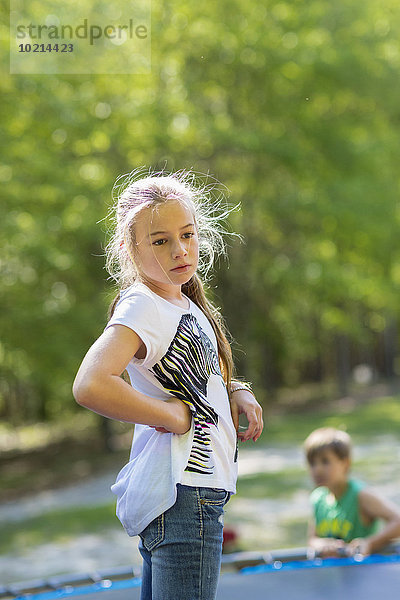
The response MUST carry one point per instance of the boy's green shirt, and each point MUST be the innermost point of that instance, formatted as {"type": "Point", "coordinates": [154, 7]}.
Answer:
{"type": "Point", "coordinates": [340, 518]}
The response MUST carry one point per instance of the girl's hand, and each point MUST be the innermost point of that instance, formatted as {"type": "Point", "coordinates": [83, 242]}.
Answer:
{"type": "Point", "coordinates": [243, 402]}
{"type": "Point", "coordinates": [181, 418]}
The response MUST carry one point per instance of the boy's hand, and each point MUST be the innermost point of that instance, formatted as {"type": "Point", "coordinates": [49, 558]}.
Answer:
{"type": "Point", "coordinates": [330, 547]}
{"type": "Point", "coordinates": [243, 402]}
{"type": "Point", "coordinates": [359, 546]}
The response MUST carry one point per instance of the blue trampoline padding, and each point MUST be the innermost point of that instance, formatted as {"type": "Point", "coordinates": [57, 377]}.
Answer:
{"type": "Point", "coordinates": [316, 563]}
{"type": "Point", "coordinates": [70, 592]}
{"type": "Point", "coordinates": [380, 579]}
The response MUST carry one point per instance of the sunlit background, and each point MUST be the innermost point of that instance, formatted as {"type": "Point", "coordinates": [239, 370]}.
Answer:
{"type": "Point", "coordinates": [294, 107]}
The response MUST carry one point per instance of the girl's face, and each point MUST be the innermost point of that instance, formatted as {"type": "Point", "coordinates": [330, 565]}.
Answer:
{"type": "Point", "coordinates": [167, 246]}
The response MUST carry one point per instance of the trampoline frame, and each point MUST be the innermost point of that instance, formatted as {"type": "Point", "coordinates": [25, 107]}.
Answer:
{"type": "Point", "coordinates": [56, 588]}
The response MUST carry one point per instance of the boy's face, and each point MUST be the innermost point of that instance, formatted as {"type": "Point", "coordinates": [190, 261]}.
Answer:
{"type": "Point", "coordinates": [328, 469]}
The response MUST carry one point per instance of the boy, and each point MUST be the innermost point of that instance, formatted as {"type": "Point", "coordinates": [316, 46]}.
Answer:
{"type": "Point", "coordinates": [346, 513]}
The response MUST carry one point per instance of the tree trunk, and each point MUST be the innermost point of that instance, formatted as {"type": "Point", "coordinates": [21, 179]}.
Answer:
{"type": "Point", "coordinates": [342, 363]}
{"type": "Point", "coordinates": [390, 347]}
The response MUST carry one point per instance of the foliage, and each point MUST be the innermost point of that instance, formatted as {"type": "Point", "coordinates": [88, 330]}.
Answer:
{"type": "Point", "coordinates": [294, 107]}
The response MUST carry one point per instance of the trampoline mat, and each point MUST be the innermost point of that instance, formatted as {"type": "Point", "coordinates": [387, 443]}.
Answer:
{"type": "Point", "coordinates": [372, 581]}
{"type": "Point", "coordinates": [366, 582]}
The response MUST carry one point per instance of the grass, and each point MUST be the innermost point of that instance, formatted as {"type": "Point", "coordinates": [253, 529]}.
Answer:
{"type": "Point", "coordinates": [271, 485]}
{"type": "Point", "coordinates": [378, 417]}
{"type": "Point", "coordinates": [293, 533]}
{"type": "Point", "coordinates": [56, 526]}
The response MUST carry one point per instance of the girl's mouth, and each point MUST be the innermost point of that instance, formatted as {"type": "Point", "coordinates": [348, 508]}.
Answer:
{"type": "Point", "coordinates": [181, 269]}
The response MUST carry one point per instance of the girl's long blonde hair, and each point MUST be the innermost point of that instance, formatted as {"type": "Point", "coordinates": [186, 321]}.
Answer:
{"type": "Point", "coordinates": [145, 189]}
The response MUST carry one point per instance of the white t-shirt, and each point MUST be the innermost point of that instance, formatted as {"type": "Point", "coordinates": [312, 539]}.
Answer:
{"type": "Point", "coordinates": [182, 361]}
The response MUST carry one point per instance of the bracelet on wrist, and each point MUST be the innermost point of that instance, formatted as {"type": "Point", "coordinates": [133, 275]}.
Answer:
{"type": "Point", "coordinates": [242, 387]}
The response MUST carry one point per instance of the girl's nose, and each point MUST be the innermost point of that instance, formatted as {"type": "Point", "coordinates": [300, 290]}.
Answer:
{"type": "Point", "coordinates": [179, 249]}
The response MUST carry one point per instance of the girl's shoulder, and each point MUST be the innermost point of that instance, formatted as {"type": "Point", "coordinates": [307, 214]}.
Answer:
{"type": "Point", "coordinates": [135, 301]}
{"type": "Point", "coordinates": [136, 288]}
{"type": "Point", "coordinates": [137, 292]}
{"type": "Point", "coordinates": [139, 302]}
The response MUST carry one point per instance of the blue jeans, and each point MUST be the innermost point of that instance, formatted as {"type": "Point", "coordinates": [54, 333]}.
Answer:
{"type": "Point", "coordinates": [181, 548]}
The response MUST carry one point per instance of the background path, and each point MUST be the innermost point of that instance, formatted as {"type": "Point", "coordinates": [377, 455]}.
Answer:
{"type": "Point", "coordinates": [260, 521]}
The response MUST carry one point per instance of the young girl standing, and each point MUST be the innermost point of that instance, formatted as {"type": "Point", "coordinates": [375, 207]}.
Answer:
{"type": "Point", "coordinates": [170, 339]}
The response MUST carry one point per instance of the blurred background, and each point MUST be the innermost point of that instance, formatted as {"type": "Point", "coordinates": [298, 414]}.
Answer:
{"type": "Point", "coordinates": [295, 108]}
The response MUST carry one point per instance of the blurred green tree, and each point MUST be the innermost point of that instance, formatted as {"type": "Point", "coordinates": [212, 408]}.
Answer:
{"type": "Point", "coordinates": [295, 108]}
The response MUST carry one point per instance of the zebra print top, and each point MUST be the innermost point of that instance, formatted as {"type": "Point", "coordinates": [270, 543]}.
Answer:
{"type": "Point", "coordinates": [181, 360]}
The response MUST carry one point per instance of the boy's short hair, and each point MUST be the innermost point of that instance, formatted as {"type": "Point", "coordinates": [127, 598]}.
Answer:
{"type": "Point", "coordinates": [327, 438]}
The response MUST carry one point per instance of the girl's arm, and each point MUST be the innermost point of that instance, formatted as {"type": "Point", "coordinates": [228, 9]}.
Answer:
{"type": "Point", "coordinates": [99, 387]}
{"type": "Point", "coordinates": [373, 507]}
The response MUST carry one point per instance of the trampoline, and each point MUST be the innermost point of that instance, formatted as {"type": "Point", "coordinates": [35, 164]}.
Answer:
{"type": "Point", "coordinates": [369, 578]}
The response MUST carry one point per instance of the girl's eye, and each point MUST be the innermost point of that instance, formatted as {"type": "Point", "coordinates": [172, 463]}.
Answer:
{"type": "Point", "coordinates": [188, 234]}
{"type": "Point", "coordinates": [159, 242]}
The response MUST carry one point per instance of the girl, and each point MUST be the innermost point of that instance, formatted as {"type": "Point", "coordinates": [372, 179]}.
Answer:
{"type": "Point", "coordinates": [171, 341]}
